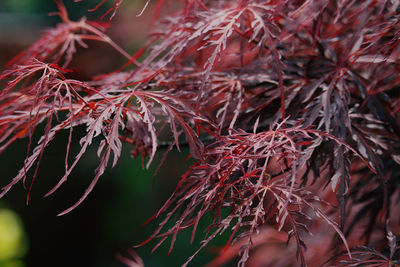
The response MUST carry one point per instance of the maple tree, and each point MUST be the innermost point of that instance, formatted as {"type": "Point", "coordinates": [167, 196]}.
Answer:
{"type": "Point", "coordinates": [289, 109]}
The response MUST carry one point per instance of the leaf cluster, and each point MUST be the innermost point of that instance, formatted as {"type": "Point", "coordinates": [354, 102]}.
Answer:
{"type": "Point", "coordinates": [289, 108]}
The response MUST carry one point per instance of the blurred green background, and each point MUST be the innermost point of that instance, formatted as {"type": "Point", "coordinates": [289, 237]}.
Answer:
{"type": "Point", "coordinates": [111, 219]}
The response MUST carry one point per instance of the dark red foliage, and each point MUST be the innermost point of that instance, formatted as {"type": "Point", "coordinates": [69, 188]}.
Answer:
{"type": "Point", "coordinates": [290, 109]}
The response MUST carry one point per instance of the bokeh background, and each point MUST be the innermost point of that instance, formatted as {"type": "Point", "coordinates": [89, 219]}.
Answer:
{"type": "Point", "coordinates": [111, 220]}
